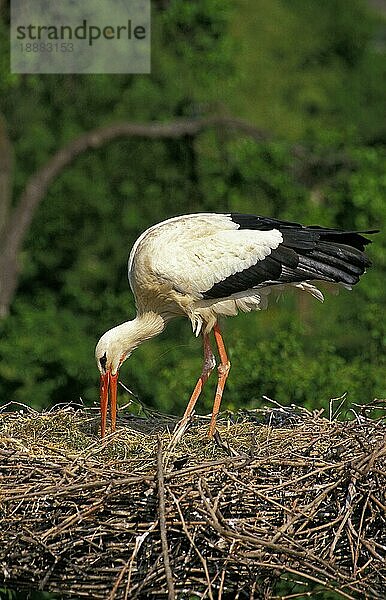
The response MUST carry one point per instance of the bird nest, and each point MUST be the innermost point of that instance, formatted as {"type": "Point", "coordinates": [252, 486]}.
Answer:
{"type": "Point", "coordinates": [283, 503]}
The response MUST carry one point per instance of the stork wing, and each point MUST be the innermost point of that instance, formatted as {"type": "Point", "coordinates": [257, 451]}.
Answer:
{"type": "Point", "coordinates": [215, 255]}
{"type": "Point", "coordinates": [196, 254]}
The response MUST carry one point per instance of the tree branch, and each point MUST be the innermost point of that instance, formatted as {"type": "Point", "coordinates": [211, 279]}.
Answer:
{"type": "Point", "coordinates": [38, 183]}
{"type": "Point", "coordinates": [5, 175]}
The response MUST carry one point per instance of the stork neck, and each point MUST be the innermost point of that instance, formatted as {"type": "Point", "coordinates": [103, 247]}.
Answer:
{"type": "Point", "coordinates": [146, 325]}
{"type": "Point", "coordinates": [129, 335]}
{"type": "Point", "coordinates": [118, 343]}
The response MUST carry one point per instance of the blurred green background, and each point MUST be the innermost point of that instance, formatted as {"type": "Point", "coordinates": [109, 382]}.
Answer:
{"type": "Point", "coordinates": [310, 74]}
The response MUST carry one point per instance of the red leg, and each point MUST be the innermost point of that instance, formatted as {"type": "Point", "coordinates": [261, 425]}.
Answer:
{"type": "Point", "coordinates": [223, 371]}
{"type": "Point", "coordinates": [207, 367]}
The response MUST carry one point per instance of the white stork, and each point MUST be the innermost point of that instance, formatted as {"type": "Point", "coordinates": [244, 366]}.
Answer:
{"type": "Point", "coordinates": [205, 265]}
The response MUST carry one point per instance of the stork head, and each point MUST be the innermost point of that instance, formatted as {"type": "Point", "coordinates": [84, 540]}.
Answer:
{"type": "Point", "coordinates": [112, 349]}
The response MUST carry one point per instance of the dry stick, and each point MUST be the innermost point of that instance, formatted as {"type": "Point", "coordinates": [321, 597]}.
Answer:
{"type": "Point", "coordinates": [138, 543]}
{"type": "Point", "coordinates": [223, 570]}
{"type": "Point", "coordinates": [121, 574]}
{"type": "Point", "coordinates": [73, 519]}
{"type": "Point", "coordinates": [298, 515]}
{"type": "Point", "coordinates": [81, 531]}
{"type": "Point", "coordinates": [193, 544]}
{"type": "Point", "coordinates": [304, 575]}
{"type": "Point", "coordinates": [291, 596]}
{"type": "Point", "coordinates": [346, 516]}
{"type": "Point", "coordinates": [255, 541]}
{"type": "Point", "coordinates": [302, 513]}
{"type": "Point", "coordinates": [154, 571]}
{"type": "Point", "coordinates": [254, 463]}
{"type": "Point", "coordinates": [162, 522]}
{"type": "Point", "coordinates": [128, 566]}
{"type": "Point", "coordinates": [80, 487]}
{"type": "Point", "coordinates": [378, 502]}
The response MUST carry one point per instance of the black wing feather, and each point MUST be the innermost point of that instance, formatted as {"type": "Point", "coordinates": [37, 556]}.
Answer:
{"type": "Point", "coordinates": [306, 254]}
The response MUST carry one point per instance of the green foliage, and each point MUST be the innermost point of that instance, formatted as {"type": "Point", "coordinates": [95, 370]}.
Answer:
{"type": "Point", "coordinates": [291, 369]}
{"type": "Point", "coordinates": [309, 72]}
{"type": "Point", "coordinates": [311, 69]}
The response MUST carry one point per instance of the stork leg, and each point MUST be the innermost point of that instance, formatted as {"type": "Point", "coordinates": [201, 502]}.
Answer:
{"type": "Point", "coordinates": [223, 371]}
{"type": "Point", "coordinates": [207, 367]}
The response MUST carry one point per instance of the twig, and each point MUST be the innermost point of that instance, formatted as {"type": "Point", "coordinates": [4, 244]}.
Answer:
{"type": "Point", "coordinates": [81, 519]}
{"type": "Point", "coordinates": [191, 540]}
{"type": "Point", "coordinates": [162, 522]}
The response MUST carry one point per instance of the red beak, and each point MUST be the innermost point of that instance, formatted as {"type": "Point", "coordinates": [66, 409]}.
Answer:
{"type": "Point", "coordinates": [108, 381]}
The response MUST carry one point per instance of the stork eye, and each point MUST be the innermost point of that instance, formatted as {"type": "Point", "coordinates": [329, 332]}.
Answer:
{"type": "Point", "coordinates": [103, 361]}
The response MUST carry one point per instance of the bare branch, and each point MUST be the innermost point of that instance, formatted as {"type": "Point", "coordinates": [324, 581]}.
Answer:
{"type": "Point", "coordinates": [5, 175]}
{"type": "Point", "coordinates": [38, 184]}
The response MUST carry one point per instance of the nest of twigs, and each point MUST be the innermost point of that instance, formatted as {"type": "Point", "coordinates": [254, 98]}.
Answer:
{"type": "Point", "coordinates": [283, 503]}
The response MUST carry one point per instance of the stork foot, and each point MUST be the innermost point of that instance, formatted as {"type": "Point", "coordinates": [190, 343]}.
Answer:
{"type": "Point", "coordinates": [223, 372]}
{"type": "Point", "coordinates": [179, 431]}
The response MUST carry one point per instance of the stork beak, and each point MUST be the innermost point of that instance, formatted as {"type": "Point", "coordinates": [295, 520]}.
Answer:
{"type": "Point", "coordinates": [108, 382]}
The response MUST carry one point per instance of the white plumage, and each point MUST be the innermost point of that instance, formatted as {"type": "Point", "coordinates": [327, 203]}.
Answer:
{"type": "Point", "coordinates": [205, 251]}
{"type": "Point", "coordinates": [206, 265]}
{"type": "Point", "coordinates": [189, 254]}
